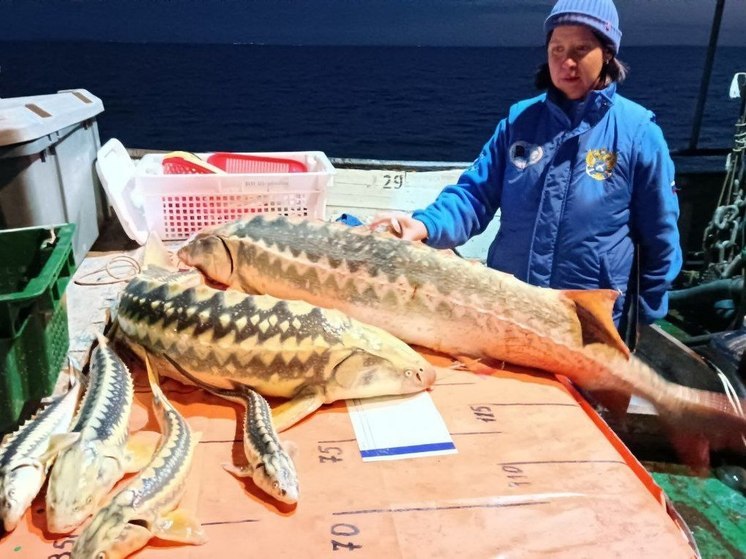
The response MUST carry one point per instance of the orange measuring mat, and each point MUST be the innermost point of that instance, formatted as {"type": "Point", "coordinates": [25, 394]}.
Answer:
{"type": "Point", "coordinates": [533, 477]}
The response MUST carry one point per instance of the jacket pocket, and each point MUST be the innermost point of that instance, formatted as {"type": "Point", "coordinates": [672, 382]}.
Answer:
{"type": "Point", "coordinates": [616, 265]}
{"type": "Point", "coordinates": [606, 280]}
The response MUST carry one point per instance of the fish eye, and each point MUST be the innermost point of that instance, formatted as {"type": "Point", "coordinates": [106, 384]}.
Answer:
{"type": "Point", "coordinates": [408, 373]}
{"type": "Point", "coordinates": [89, 500]}
{"type": "Point", "coordinates": [101, 555]}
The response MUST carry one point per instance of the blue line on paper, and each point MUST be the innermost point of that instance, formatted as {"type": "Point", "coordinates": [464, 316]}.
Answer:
{"type": "Point", "coordinates": [411, 449]}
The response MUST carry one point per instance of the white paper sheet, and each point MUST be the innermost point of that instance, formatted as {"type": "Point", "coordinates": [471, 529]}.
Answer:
{"type": "Point", "coordinates": [397, 427]}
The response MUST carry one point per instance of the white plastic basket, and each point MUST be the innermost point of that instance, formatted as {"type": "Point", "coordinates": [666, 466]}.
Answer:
{"type": "Point", "coordinates": [176, 206]}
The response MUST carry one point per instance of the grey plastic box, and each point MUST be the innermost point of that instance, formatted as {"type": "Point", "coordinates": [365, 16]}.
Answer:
{"type": "Point", "coordinates": [48, 147]}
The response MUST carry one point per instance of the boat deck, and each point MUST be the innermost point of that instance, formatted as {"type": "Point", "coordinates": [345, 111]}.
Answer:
{"type": "Point", "coordinates": [536, 473]}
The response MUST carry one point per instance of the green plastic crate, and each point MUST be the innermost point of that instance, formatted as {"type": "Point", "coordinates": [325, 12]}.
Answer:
{"type": "Point", "coordinates": [36, 265]}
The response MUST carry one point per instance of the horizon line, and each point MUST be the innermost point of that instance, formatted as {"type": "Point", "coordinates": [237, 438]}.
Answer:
{"type": "Point", "coordinates": [325, 45]}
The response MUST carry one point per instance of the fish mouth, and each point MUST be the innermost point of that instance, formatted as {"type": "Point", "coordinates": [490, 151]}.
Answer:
{"type": "Point", "coordinates": [426, 376]}
{"type": "Point", "coordinates": [9, 524]}
{"type": "Point", "coordinates": [71, 521]}
{"type": "Point", "coordinates": [290, 496]}
{"type": "Point", "coordinates": [203, 258]}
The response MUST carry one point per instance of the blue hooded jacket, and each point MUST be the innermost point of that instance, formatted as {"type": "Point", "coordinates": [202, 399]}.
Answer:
{"type": "Point", "coordinates": [575, 199]}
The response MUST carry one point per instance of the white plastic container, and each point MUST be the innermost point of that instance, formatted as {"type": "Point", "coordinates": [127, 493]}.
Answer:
{"type": "Point", "coordinates": [48, 145]}
{"type": "Point", "coordinates": [176, 206]}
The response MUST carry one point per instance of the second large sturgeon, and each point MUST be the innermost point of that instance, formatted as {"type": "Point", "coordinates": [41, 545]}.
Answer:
{"type": "Point", "coordinates": [286, 349]}
{"type": "Point", "coordinates": [437, 300]}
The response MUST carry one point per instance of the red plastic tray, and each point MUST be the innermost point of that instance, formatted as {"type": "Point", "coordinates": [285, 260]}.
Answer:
{"type": "Point", "coordinates": [244, 163]}
{"type": "Point", "coordinates": [181, 166]}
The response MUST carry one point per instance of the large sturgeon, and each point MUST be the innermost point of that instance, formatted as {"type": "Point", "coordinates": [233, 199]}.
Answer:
{"type": "Point", "coordinates": [286, 349]}
{"type": "Point", "coordinates": [437, 300]}
{"type": "Point", "coordinates": [146, 507]}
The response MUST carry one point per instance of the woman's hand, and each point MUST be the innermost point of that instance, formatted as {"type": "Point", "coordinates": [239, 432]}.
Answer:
{"type": "Point", "coordinates": [401, 224]}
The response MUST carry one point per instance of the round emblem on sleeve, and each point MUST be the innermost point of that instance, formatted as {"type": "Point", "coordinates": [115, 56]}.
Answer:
{"type": "Point", "coordinates": [523, 154]}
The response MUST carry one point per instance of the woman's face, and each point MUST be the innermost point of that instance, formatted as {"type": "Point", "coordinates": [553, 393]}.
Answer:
{"type": "Point", "coordinates": [575, 59]}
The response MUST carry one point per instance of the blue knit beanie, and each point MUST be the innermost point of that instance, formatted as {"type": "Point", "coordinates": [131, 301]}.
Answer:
{"type": "Point", "coordinates": [600, 15]}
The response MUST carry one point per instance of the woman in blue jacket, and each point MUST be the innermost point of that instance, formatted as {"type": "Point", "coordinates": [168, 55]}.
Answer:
{"type": "Point", "coordinates": [582, 177]}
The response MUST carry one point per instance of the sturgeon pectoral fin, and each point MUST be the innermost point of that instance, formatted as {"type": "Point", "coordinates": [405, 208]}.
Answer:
{"type": "Point", "coordinates": [155, 253]}
{"type": "Point", "coordinates": [140, 449]}
{"type": "Point", "coordinates": [595, 309]}
{"type": "Point", "coordinates": [134, 536]}
{"type": "Point", "coordinates": [291, 449]}
{"type": "Point", "coordinates": [28, 463]}
{"type": "Point", "coordinates": [477, 366]}
{"type": "Point", "coordinates": [179, 526]}
{"type": "Point", "coordinates": [58, 443]}
{"type": "Point", "coordinates": [238, 471]}
{"type": "Point", "coordinates": [288, 414]}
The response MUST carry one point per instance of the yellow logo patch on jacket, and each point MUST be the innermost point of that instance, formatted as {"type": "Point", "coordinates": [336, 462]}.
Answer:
{"type": "Point", "coordinates": [599, 163]}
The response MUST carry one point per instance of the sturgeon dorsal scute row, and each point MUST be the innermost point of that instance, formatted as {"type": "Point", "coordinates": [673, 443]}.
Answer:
{"type": "Point", "coordinates": [283, 348]}
{"type": "Point", "coordinates": [108, 392]}
{"type": "Point", "coordinates": [261, 323]}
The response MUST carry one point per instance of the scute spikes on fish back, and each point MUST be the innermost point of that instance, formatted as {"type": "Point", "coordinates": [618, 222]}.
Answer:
{"type": "Point", "coordinates": [25, 456]}
{"type": "Point", "coordinates": [218, 315]}
{"type": "Point", "coordinates": [437, 300]}
{"type": "Point", "coordinates": [108, 398]}
{"type": "Point", "coordinates": [141, 509]}
{"type": "Point", "coordinates": [269, 465]}
{"type": "Point", "coordinates": [375, 275]}
{"type": "Point", "coordinates": [279, 348]}
{"type": "Point", "coordinates": [86, 471]}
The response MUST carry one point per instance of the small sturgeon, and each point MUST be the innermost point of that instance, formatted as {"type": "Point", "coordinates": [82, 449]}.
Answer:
{"type": "Point", "coordinates": [98, 456]}
{"type": "Point", "coordinates": [269, 464]}
{"type": "Point", "coordinates": [437, 300]}
{"type": "Point", "coordinates": [26, 454]}
{"type": "Point", "coordinates": [146, 507]}
{"type": "Point", "coordinates": [286, 349]}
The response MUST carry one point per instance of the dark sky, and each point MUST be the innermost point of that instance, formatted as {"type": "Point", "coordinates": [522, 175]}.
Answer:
{"type": "Point", "coordinates": [387, 22]}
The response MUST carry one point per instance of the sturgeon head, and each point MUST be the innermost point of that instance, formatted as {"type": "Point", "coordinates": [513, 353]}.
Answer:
{"type": "Point", "coordinates": [79, 482]}
{"type": "Point", "coordinates": [372, 362]}
{"type": "Point", "coordinates": [18, 488]}
{"type": "Point", "coordinates": [113, 533]}
{"type": "Point", "coordinates": [209, 253]}
{"type": "Point", "coordinates": [119, 529]}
